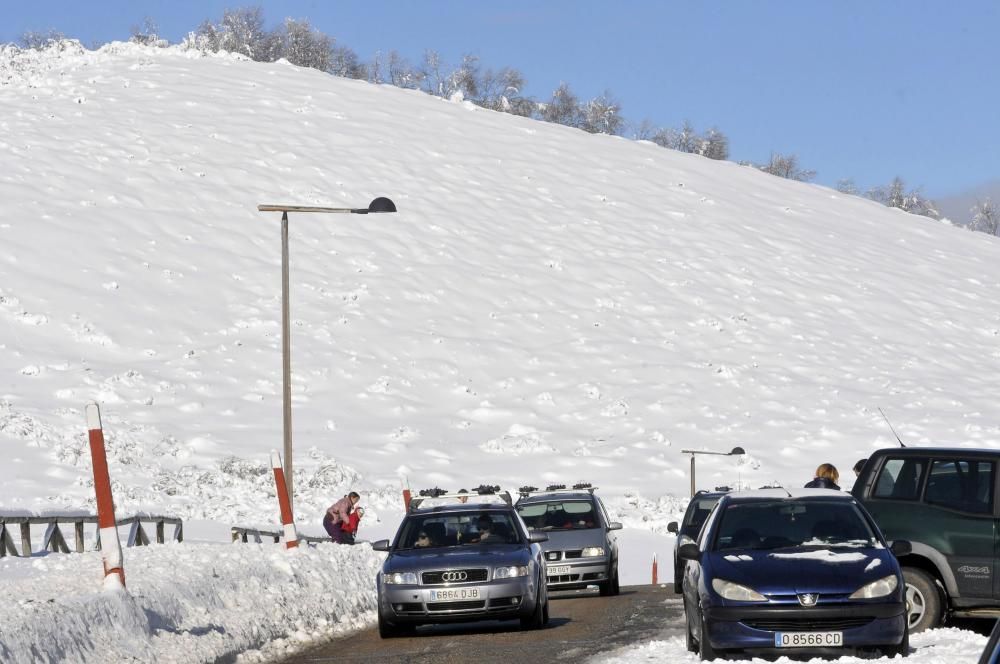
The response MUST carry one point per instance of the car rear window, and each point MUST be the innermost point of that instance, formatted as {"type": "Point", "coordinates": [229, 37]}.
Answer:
{"type": "Point", "coordinates": [792, 523]}
{"type": "Point", "coordinates": [559, 515]}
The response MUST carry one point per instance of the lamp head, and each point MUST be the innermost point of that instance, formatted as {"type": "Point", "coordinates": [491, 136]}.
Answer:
{"type": "Point", "coordinates": [737, 451]}
{"type": "Point", "coordinates": [380, 204]}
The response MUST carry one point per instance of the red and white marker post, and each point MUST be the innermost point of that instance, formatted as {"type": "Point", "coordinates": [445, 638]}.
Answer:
{"type": "Point", "coordinates": [291, 537]}
{"type": "Point", "coordinates": [111, 548]}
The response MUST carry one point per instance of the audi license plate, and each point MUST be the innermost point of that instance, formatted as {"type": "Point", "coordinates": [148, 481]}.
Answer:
{"type": "Point", "coordinates": [808, 639]}
{"type": "Point", "coordinates": [455, 594]}
{"type": "Point", "coordinates": [558, 570]}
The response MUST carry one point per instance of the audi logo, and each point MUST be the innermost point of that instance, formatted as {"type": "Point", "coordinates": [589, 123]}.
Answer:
{"type": "Point", "coordinates": [451, 577]}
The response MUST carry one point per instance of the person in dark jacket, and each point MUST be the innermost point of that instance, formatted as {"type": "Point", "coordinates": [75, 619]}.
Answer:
{"type": "Point", "coordinates": [826, 478]}
{"type": "Point", "coordinates": [338, 517]}
{"type": "Point", "coordinates": [859, 466]}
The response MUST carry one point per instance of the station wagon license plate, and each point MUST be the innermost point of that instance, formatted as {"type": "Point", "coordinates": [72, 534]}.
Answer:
{"type": "Point", "coordinates": [808, 639]}
{"type": "Point", "coordinates": [453, 594]}
{"type": "Point", "coordinates": [558, 570]}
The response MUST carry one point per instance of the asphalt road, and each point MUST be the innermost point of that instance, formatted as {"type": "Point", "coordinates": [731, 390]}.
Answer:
{"type": "Point", "coordinates": [581, 624]}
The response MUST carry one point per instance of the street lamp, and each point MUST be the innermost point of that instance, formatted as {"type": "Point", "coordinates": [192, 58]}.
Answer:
{"type": "Point", "coordinates": [736, 451]}
{"type": "Point", "coordinates": [380, 204]}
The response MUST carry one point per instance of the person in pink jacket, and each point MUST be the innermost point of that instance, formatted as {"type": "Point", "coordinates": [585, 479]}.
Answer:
{"type": "Point", "coordinates": [337, 518]}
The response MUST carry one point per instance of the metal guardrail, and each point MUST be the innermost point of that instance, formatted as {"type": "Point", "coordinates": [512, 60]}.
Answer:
{"type": "Point", "coordinates": [257, 536]}
{"type": "Point", "coordinates": [55, 541]}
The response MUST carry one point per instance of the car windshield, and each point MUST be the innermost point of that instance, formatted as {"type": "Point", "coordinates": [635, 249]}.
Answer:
{"type": "Point", "coordinates": [792, 523]}
{"type": "Point", "coordinates": [559, 515]}
{"type": "Point", "coordinates": [436, 530]}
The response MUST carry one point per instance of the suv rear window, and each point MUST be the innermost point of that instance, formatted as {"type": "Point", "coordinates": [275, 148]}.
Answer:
{"type": "Point", "coordinates": [559, 515]}
{"type": "Point", "coordinates": [961, 485]}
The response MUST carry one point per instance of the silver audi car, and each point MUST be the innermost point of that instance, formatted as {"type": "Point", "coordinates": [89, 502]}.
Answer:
{"type": "Point", "coordinates": [582, 549]}
{"type": "Point", "coordinates": [457, 558]}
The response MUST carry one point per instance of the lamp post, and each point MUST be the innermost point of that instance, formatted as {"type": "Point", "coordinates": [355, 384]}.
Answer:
{"type": "Point", "coordinates": [378, 205]}
{"type": "Point", "coordinates": [736, 451]}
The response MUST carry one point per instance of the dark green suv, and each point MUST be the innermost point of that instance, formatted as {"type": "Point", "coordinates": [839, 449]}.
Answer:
{"type": "Point", "coordinates": [943, 500]}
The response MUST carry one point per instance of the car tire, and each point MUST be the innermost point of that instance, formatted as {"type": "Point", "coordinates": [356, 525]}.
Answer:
{"type": "Point", "coordinates": [903, 648]}
{"type": "Point", "coordinates": [705, 650]}
{"type": "Point", "coordinates": [537, 618]}
{"type": "Point", "coordinates": [678, 580]}
{"type": "Point", "coordinates": [611, 586]}
{"type": "Point", "coordinates": [692, 645]}
{"type": "Point", "coordinates": [924, 603]}
{"type": "Point", "coordinates": [386, 629]}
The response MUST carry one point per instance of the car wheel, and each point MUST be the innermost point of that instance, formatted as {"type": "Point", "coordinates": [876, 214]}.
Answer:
{"type": "Point", "coordinates": [537, 618]}
{"type": "Point", "coordinates": [705, 650]}
{"type": "Point", "coordinates": [386, 629]}
{"type": "Point", "coordinates": [611, 586]}
{"type": "Point", "coordinates": [923, 600]}
{"type": "Point", "coordinates": [903, 649]}
{"type": "Point", "coordinates": [678, 579]}
{"type": "Point", "coordinates": [692, 645]}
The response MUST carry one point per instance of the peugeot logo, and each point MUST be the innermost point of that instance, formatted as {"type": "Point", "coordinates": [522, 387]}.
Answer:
{"type": "Point", "coordinates": [808, 599]}
{"type": "Point", "coordinates": [451, 577]}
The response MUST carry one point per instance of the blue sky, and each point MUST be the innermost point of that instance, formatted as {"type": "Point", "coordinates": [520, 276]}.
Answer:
{"type": "Point", "coordinates": [867, 89]}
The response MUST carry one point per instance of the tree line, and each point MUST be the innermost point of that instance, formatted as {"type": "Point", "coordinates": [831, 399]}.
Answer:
{"type": "Point", "coordinates": [243, 30]}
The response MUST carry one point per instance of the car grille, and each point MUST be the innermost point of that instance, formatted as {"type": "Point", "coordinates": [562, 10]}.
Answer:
{"type": "Point", "coordinates": [473, 576]}
{"type": "Point", "coordinates": [563, 578]}
{"type": "Point", "coordinates": [807, 624]}
{"type": "Point", "coordinates": [553, 556]}
{"type": "Point", "coordinates": [455, 606]}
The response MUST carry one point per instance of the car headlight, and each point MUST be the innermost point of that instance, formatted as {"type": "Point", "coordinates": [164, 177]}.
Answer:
{"type": "Point", "coordinates": [510, 572]}
{"type": "Point", "coordinates": [880, 588]}
{"type": "Point", "coordinates": [592, 552]}
{"type": "Point", "coordinates": [401, 578]}
{"type": "Point", "coordinates": [735, 591]}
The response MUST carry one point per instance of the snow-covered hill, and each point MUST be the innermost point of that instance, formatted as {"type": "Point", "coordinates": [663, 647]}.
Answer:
{"type": "Point", "coordinates": [547, 305]}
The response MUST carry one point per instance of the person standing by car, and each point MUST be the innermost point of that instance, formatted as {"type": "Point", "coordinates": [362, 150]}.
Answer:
{"type": "Point", "coordinates": [859, 466]}
{"type": "Point", "coordinates": [826, 478]}
{"type": "Point", "coordinates": [338, 516]}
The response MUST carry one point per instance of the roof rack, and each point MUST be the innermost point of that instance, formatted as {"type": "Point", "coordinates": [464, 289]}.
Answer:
{"type": "Point", "coordinates": [526, 491]}
{"type": "Point", "coordinates": [481, 495]}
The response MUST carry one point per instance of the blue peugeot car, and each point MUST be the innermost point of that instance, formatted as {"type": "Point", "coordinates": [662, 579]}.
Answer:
{"type": "Point", "coordinates": [804, 571]}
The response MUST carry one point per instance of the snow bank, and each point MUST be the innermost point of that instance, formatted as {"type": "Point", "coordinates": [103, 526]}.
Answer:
{"type": "Point", "coordinates": [185, 603]}
{"type": "Point", "coordinates": [936, 646]}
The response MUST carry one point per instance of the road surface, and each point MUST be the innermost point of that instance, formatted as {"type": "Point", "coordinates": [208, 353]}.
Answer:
{"type": "Point", "coordinates": [581, 624]}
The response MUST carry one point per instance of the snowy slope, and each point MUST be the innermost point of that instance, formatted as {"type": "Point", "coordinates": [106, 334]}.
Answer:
{"type": "Point", "coordinates": [547, 305]}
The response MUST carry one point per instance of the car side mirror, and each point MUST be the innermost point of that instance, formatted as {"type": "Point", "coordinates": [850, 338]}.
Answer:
{"type": "Point", "coordinates": [380, 545]}
{"type": "Point", "coordinates": [901, 548]}
{"type": "Point", "coordinates": [672, 527]}
{"type": "Point", "coordinates": [614, 525]}
{"type": "Point", "coordinates": [536, 537]}
{"type": "Point", "coordinates": [689, 551]}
